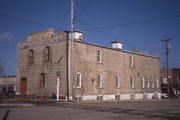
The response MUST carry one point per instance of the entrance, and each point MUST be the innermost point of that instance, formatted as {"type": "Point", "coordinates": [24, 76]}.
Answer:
{"type": "Point", "coordinates": [23, 85]}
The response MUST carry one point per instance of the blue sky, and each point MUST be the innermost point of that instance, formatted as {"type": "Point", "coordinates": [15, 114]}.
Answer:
{"type": "Point", "coordinates": [93, 14]}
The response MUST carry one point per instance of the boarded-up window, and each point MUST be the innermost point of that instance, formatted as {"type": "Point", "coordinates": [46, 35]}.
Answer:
{"type": "Point", "coordinates": [117, 81]}
{"type": "Point", "coordinates": [42, 80]}
{"type": "Point", "coordinates": [132, 81]}
{"type": "Point", "coordinates": [99, 56]}
{"type": "Point", "coordinates": [78, 80]}
{"type": "Point", "coordinates": [30, 56]}
{"type": "Point", "coordinates": [47, 54]}
{"type": "Point", "coordinates": [99, 80]}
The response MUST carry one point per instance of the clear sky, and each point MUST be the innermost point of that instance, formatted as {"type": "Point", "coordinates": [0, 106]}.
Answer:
{"type": "Point", "coordinates": [16, 17]}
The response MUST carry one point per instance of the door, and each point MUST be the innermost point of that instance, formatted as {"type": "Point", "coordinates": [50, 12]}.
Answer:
{"type": "Point", "coordinates": [23, 85]}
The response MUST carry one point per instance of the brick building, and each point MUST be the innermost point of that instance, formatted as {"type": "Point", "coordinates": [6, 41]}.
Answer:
{"type": "Point", "coordinates": [174, 76]}
{"type": "Point", "coordinates": [97, 72]}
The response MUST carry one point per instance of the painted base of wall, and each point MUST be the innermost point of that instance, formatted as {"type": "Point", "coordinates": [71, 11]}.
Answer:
{"type": "Point", "coordinates": [131, 96]}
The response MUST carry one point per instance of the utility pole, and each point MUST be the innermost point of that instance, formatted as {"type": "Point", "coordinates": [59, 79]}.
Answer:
{"type": "Point", "coordinates": [70, 53]}
{"type": "Point", "coordinates": [167, 64]}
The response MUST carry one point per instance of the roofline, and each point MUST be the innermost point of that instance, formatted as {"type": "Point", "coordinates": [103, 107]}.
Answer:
{"type": "Point", "coordinates": [117, 49]}
{"type": "Point", "coordinates": [73, 31]}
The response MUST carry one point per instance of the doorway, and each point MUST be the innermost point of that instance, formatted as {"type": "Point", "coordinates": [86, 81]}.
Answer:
{"type": "Point", "coordinates": [23, 85]}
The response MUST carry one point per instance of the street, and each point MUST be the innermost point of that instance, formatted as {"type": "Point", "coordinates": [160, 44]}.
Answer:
{"type": "Point", "coordinates": [156, 110]}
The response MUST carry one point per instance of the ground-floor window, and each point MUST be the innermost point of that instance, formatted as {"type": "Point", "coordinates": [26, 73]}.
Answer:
{"type": "Point", "coordinates": [42, 81]}
{"type": "Point", "coordinates": [78, 80]}
{"type": "Point", "coordinates": [99, 81]}
{"type": "Point", "coordinates": [132, 81]}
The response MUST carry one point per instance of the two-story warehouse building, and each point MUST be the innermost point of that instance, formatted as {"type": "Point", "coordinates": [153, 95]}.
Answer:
{"type": "Point", "coordinates": [95, 73]}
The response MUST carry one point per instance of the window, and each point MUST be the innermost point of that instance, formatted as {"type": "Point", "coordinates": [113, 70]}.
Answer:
{"type": "Point", "coordinates": [132, 82]}
{"type": "Point", "coordinates": [117, 81]}
{"type": "Point", "coordinates": [99, 80]}
{"type": "Point", "coordinates": [47, 54]}
{"type": "Point", "coordinates": [131, 61]}
{"type": "Point", "coordinates": [152, 84]}
{"type": "Point", "coordinates": [148, 84]}
{"type": "Point", "coordinates": [157, 83]}
{"type": "Point", "coordinates": [117, 97]}
{"type": "Point", "coordinates": [42, 80]}
{"type": "Point", "coordinates": [30, 56]}
{"type": "Point", "coordinates": [78, 80]}
{"type": "Point", "coordinates": [142, 82]}
{"type": "Point", "coordinates": [99, 57]}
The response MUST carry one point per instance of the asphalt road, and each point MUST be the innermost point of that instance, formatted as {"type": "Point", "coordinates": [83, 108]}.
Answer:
{"type": "Point", "coordinates": [159, 110]}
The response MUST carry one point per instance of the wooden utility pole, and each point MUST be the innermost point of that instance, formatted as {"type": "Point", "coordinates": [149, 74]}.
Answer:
{"type": "Point", "coordinates": [70, 53]}
{"type": "Point", "coordinates": [167, 65]}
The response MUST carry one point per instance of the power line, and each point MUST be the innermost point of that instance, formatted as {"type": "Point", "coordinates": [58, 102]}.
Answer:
{"type": "Point", "coordinates": [90, 2]}
{"type": "Point", "coordinates": [167, 65]}
{"type": "Point", "coordinates": [105, 34]}
{"type": "Point", "coordinates": [27, 21]}
{"type": "Point", "coordinates": [134, 23]}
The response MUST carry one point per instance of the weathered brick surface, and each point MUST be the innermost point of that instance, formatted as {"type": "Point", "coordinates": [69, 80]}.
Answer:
{"type": "Point", "coordinates": [114, 62]}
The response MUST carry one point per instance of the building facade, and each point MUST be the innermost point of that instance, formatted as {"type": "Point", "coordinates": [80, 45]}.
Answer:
{"type": "Point", "coordinates": [86, 71]}
{"type": "Point", "coordinates": [174, 77]}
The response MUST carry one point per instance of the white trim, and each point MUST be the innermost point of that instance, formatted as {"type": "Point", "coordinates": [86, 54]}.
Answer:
{"type": "Point", "coordinates": [152, 84]}
{"type": "Point", "coordinates": [78, 86]}
{"type": "Point", "coordinates": [99, 56]}
{"type": "Point", "coordinates": [132, 81]}
{"type": "Point", "coordinates": [127, 96]}
{"type": "Point", "coordinates": [148, 85]}
{"type": "Point", "coordinates": [117, 81]}
{"type": "Point", "coordinates": [131, 61]}
{"type": "Point", "coordinates": [99, 81]}
{"type": "Point", "coordinates": [142, 82]}
{"type": "Point", "coordinates": [157, 82]}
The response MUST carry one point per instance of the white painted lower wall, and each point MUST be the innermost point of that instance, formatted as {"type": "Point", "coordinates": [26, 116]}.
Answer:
{"type": "Point", "coordinates": [150, 95]}
{"type": "Point", "coordinates": [89, 97]}
{"type": "Point", "coordinates": [124, 96]}
{"type": "Point", "coordinates": [108, 97]}
{"type": "Point", "coordinates": [136, 96]}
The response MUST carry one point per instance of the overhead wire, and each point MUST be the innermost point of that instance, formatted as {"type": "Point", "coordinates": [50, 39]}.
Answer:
{"type": "Point", "coordinates": [108, 37]}
{"type": "Point", "coordinates": [27, 21]}
{"type": "Point", "coordinates": [85, 8]}
{"type": "Point", "coordinates": [133, 23]}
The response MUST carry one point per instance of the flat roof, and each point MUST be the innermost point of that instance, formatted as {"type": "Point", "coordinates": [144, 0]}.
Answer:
{"type": "Point", "coordinates": [137, 53]}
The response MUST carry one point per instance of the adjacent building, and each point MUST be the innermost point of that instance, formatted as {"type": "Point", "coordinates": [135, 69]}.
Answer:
{"type": "Point", "coordinates": [86, 71]}
{"type": "Point", "coordinates": [174, 77]}
{"type": "Point", "coordinates": [9, 80]}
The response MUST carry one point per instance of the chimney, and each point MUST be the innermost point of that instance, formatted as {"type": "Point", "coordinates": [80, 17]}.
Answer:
{"type": "Point", "coordinates": [134, 49]}
{"type": "Point", "coordinates": [77, 35]}
{"type": "Point", "coordinates": [116, 45]}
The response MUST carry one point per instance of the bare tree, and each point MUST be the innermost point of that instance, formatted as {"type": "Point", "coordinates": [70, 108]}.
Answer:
{"type": "Point", "coordinates": [1, 68]}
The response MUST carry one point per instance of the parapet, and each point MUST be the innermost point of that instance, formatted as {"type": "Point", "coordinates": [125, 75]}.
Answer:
{"type": "Point", "coordinates": [49, 30]}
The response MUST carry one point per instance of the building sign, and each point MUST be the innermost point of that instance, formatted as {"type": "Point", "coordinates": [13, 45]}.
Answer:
{"type": "Point", "coordinates": [42, 43]}
{"type": "Point", "coordinates": [39, 67]}
{"type": "Point", "coordinates": [165, 80]}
